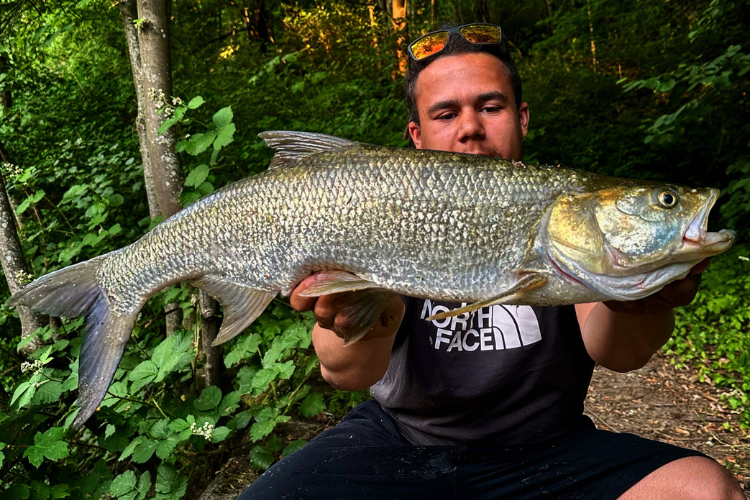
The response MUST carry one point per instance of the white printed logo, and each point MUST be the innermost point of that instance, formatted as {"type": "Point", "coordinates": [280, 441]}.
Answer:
{"type": "Point", "coordinates": [491, 328]}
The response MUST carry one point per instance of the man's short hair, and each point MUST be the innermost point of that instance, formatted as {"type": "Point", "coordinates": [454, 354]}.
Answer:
{"type": "Point", "coordinates": [457, 45]}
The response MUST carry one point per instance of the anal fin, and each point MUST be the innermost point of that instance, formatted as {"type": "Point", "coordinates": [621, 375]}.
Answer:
{"type": "Point", "coordinates": [242, 304]}
{"type": "Point", "coordinates": [335, 281]}
{"type": "Point", "coordinates": [525, 283]}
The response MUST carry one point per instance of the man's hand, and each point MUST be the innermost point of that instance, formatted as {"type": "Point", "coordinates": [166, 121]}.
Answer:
{"type": "Point", "coordinates": [358, 365]}
{"type": "Point", "coordinates": [337, 312]}
{"type": "Point", "coordinates": [676, 294]}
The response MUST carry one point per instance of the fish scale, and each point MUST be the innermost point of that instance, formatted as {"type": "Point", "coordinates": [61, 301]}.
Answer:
{"type": "Point", "coordinates": [430, 224]}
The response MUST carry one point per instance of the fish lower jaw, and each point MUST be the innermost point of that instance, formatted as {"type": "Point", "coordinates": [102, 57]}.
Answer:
{"type": "Point", "coordinates": [707, 244]}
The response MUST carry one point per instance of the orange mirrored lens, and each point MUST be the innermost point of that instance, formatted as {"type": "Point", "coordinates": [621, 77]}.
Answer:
{"type": "Point", "coordinates": [482, 34]}
{"type": "Point", "coordinates": [430, 44]}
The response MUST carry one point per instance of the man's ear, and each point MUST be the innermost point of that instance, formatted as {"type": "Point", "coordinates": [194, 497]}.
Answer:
{"type": "Point", "coordinates": [523, 118]}
{"type": "Point", "coordinates": [416, 134]}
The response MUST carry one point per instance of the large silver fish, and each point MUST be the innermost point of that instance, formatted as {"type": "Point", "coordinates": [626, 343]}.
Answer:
{"type": "Point", "coordinates": [422, 223]}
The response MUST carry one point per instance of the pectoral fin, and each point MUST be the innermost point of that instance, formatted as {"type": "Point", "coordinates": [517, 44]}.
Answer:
{"type": "Point", "coordinates": [524, 284]}
{"type": "Point", "coordinates": [242, 304]}
{"type": "Point", "coordinates": [362, 311]}
{"type": "Point", "coordinates": [334, 281]}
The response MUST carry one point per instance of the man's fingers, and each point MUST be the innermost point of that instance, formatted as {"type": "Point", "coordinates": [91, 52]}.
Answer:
{"type": "Point", "coordinates": [303, 303]}
{"type": "Point", "coordinates": [701, 266]}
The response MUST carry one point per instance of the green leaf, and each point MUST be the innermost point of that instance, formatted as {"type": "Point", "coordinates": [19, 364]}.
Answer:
{"type": "Point", "coordinates": [143, 374]}
{"type": "Point", "coordinates": [209, 399]}
{"type": "Point", "coordinates": [37, 196]}
{"type": "Point", "coordinates": [144, 450]}
{"type": "Point", "coordinates": [223, 117]}
{"type": "Point", "coordinates": [220, 434]}
{"type": "Point", "coordinates": [131, 448]}
{"type": "Point", "coordinates": [169, 484]}
{"type": "Point", "coordinates": [144, 484]}
{"type": "Point", "coordinates": [20, 390]}
{"type": "Point", "coordinates": [196, 102]}
{"type": "Point", "coordinates": [167, 446]}
{"type": "Point", "coordinates": [229, 402]}
{"type": "Point", "coordinates": [172, 354]}
{"type": "Point", "coordinates": [197, 176]}
{"type": "Point", "coordinates": [198, 143]}
{"type": "Point", "coordinates": [261, 457]}
{"type": "Point", "coordinates": [312, 405]}
{"type": "Point", "coordinates": [263, 378]}
{"type": "Point", "coordinates": [23, 206]}
{"type": "Point", "coordinates": [48, 392]}
{"type": "Point", "coordinates": [48, 445]}
{"type": "Point", "coordinates": [167, 124]}
{"type": "Point", "coordinates": [225, 136]}
{"type": "Point", "coordinates": [109, 430]}
{"type": "Point", "coordinates": [116, 200]}
{"type": "Point", "coordinates": [293, 446]}
{"type": "Point", "coordinates": [122, 484]}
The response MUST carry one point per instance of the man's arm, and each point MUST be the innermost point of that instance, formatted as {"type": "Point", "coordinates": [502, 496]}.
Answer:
{"type": "Point", "coordinates": [622, 336]}
{"type": "Point", "coordinates": [359, 365]}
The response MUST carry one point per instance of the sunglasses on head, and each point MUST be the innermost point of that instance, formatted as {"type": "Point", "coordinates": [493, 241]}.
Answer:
{"type": "Point", "coordinates": [476, 33]}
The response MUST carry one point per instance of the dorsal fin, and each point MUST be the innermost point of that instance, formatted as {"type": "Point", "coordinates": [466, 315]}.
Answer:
{"type": "Point", "coordinates": [292, 146]}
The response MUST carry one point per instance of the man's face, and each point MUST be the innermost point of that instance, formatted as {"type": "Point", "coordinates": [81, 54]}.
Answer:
{"type": "Point", "coordinates": [466, 105]}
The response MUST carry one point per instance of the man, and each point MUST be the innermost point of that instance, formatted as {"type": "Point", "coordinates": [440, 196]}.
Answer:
{"type": "Point", "coordinates": [460, 412]}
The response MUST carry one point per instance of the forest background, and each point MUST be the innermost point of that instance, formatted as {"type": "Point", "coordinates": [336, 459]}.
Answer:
{"type": "Point", "coordinates": [643, 89]}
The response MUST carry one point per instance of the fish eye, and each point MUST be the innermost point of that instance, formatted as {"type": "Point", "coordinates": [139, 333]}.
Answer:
{"type": "Point", "coordinates": [668, 199]}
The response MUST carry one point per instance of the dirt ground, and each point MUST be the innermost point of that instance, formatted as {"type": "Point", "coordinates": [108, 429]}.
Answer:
{"type": "Point", "coordinates": [665, 404]}
{"type": "Point", "coordinates": [658, 402]}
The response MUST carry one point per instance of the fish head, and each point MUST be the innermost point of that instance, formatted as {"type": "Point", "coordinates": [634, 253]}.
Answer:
{"type": "Point", "coordinates": [627, 240]}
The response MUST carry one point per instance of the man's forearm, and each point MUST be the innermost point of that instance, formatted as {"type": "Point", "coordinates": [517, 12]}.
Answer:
{"type": "Point", "coordinates": [624, 342]}
{"type": "Point", "coordinates": [359, 365]}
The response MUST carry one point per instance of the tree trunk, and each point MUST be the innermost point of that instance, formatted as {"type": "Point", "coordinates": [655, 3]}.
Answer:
{"type": "Point", "coordinates": [209, 358]}
{"type": "Point", "coordinates": [129, 13]}
{"type": "Point", "coordinates": [399, 23]}
{"type": "Point", "coordinates": [149, 47]}
{"type": "Point", "coordinates": [14, 264]}
{"type": "Point", "coordinates": [156, 80]}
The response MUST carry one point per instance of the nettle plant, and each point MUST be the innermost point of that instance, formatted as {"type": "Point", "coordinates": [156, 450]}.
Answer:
{"type": "Point", "coordinates": [154, 435]}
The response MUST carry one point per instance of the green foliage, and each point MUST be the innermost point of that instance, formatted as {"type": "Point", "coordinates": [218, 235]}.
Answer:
{"type": "Point", "coordinates": [712, 331]}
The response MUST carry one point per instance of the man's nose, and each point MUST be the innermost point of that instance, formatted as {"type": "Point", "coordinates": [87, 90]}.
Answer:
{"type": "Point", "coordinates": [471, 126]}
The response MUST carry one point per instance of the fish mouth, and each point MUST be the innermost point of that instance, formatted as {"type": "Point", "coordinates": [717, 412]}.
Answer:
{"type": "Point", "coordinates": [697, 239]}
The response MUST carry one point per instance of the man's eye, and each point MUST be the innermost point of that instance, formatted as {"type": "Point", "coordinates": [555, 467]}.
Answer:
{"type": "Point", "coordinates": [491, 109]}
{"type": "Point", "coordinates": [446, 116]}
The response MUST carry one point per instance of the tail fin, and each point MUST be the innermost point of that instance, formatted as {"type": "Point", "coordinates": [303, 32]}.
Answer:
{"type": "Point", "coordinates": [75, 291]}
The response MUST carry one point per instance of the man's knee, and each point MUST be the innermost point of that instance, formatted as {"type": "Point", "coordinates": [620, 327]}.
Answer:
{"type": "Point", "coordinates": [691, 478]}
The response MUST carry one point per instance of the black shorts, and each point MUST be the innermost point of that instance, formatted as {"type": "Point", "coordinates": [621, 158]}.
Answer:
{"type": "Point", "coordinates": [365, 457]}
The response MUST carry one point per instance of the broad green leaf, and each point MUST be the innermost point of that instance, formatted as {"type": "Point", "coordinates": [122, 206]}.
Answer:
{"type": "Point", "coordinates": [293, 446]}
{"type": "Point", "coordinates": [36, 197]}
{"type": "Point", "coordinates": [195, 102]}
{"type": "Point", "coordinates": [144, 484]}
{"type": "Point", "coordinates": [312, 405]}
{"type": "Point", "coordinates": [223, 117]}
{"type": "Point", "coordinates": [20, 390]}
{"type": "Point", "coordinates": [122, 484]}
{"type": "Point", "coordinates": [167, 446]}
{"type": "Point", "coordinates": [169, 484]}
{"type": "Point", "coordinates": [143, 374]}
{"type": "Point", "coordinates": [263, 378]}
{"type": "Point", "coordinates": [261, 457]}
{"type": "Point", "coordinates": [225, 136]}
{"type": "Point", "coordinates": [109, 430]}
{"type": "Point", "coordinates": [48, 445]}
{"type": "Point", "coordinates": [229, 402]}
{"type": "Point", "coordinates": [167, 124]}
{"type": "Point", "coordinates": [48, 392]}
{"type": "Point", "coordinates": [23, 206]}
{"type": "Point", "coordinates": [144, 450]}
{"type": "Point", "coordinates": [209, 399]}
{"type": "Point", "coordinates": [131, 447]}
{"type": "Point", "coordinates": [116, 200]}
{"type": "Point", "coordinates": [197, 176]}
{"type": "Point", "coordinates": [220, 434]}
{"type": "Point", "coordinates": [286, 370]}
{"type": "Point", "coordinates": [198, 143]}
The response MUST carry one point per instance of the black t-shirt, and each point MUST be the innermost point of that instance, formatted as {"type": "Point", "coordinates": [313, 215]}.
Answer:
{"type": "Point", "coordinates": [502, 375]}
